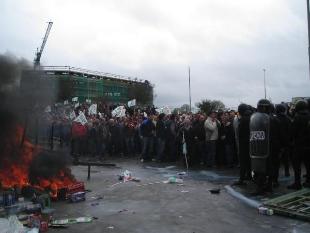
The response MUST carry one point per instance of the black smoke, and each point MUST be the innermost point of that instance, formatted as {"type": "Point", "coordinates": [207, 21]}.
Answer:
{"type": "Point", "coordinates": [10, 75]}
{"type": "Point", "coordinates": [24, 94]}
{"type": "Point", "coordinates": [48, 164]}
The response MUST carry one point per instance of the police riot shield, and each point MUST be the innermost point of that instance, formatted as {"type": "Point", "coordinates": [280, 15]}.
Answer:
{"type": "Point", "coordinates": [259, 141]}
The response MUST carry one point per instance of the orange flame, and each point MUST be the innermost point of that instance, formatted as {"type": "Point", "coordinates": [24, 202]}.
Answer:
{"type": "Point", "coordinates": [15, 172]}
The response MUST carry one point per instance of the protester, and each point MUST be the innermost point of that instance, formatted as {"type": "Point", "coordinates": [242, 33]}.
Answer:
{"type": "Point", "coordinates": [211, 127]}
{"type": "Point", "coordinates": [168, 137]}
{"type": "Point", "coordinates": [147, 132]}
{"type": "Point", "coordinates": [161, 133]}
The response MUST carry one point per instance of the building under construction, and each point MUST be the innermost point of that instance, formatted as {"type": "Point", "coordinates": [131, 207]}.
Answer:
{"type": "Point", "coordinates": [65, 82]}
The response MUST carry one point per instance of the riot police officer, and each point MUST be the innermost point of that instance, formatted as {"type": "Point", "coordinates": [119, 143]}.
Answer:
{"type": "Point", "coordinates": [301, 143]}
{"type": "Point", "coordinates": [264, 146]}
{"type": "Point", "coordinates": [285, 125]}
{"type": "Point", "coordinates": [243, 133]}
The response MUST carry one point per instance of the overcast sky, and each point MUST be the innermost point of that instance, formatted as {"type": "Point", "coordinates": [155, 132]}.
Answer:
{"type": "Point", "coordinates": [227, 43]}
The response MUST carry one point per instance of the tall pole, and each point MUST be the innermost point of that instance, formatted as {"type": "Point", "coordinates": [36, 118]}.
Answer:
{"type": "Point", "coordinates": [308, 17]}
{"type": "Point", "coordinates": [265, 82]}
{"type": "Point", "coordinates": [189, 89]}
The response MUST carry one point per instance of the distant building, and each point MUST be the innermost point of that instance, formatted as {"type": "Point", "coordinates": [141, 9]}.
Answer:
{"type": "Point", "coordinates": [64, 83]}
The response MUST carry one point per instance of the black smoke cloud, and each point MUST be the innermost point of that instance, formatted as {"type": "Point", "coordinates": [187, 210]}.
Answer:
{"type": "Point", "coordinates": [48, 164]}
{"type": "Point", "coordinates": [23, 97]}
{"type": "Point", "coordinates": [10, 74]}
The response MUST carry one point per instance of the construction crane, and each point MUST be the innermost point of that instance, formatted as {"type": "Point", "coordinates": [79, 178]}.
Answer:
{"type": "Point", "coordinates": [39, 52]}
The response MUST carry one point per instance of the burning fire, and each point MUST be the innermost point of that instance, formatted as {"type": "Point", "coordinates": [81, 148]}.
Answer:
{"type": "Point", "coordinates": [16, 161]}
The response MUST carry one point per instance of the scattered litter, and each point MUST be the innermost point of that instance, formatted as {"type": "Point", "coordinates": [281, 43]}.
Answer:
{"type": "Point", "coordinates": [110, 227]}
{"type": "Point", "coordinates": [127, 176]}
{"type": "Point", "coordinates": [11, 225]}
{"type": "Point", "coordinates": [72, 221]}
{"type": "Point", "coordinates": [88, 191]}
{"type": "Point", "coordinates": [215, 191]}
{"type": "Point", "coordinates": [94, 204]}
{"type": "Point", "coordinates": [173, 180]}
{"type": "Point", "coordinates": [77, 197]}
{"type": "Point", "coordinates": [182, 174]}
{"type": "Point", "coordinates": [33, 230]}
{"type": "Point", "coordinates": [184, 191]}
{"type": "Point", "coordinates": [180, 216]}
{"type": "Point", "coordinates": [57, 226]}
{"type": "Point", "coordinates": [123, 210]}
{"type": "Point", "coordinates": [265, 211]}
{"type": "Point", "coordinates": [95, 199]}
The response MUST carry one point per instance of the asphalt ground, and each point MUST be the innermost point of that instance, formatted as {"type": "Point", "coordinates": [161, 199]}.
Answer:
{"type": "Point", "coordinates": [151, 206]}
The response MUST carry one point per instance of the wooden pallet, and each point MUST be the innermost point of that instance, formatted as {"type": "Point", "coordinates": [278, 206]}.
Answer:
{"type": "Point", "coordinates": [295, 205]}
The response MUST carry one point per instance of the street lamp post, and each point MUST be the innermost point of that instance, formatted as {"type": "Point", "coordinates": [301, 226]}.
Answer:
{"type": "Point", "coordinates": [189, 89]}
{"type": "Point", "coordinates": [308, 18]}
{"type": "Point", "coordinates": [265, 82]}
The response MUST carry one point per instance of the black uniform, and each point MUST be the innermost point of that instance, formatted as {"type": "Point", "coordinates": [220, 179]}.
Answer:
{"type": "Point", "coordinates": [265, 146]}
{"type": "Point", "coordinates": [301, 142]}
{"type": "Point", "coordinates": [244, 138]}
{"type": "Point", "coordinates": [285, 125]}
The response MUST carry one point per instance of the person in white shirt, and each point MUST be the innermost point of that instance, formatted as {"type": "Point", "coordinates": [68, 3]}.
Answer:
{"type": "Point", "coordinates": [211, 127]}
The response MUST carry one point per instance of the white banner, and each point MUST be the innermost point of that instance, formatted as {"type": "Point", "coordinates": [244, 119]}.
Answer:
{"type": "Point", "coordinates": [165, 110]}
{"type": "Point", "coordinates": [119, 112]}
{"type": "Point", "coordinates": [75, 99]}
{"type": "Point", "coordinates": [92, 110]}
{"type": "Point", "coordinates": [131, 103]}
{"type": "Point", "coordinates": [81, 119]}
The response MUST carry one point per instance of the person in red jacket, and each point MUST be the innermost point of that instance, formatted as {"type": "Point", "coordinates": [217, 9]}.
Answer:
{"type": "Point", "coordinates": [78, 140]}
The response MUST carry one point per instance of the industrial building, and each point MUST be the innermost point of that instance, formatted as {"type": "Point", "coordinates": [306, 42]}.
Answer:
{"type": "Point", "coordinates": [65, 82]}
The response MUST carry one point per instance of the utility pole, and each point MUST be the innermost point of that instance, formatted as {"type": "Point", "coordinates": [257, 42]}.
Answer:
{"type": "Point", "coordinates": [308, 17]}
{"type": "Point", "coordinates": [265, 82]}
{"type": "Point", "coordinates": [189, 89]}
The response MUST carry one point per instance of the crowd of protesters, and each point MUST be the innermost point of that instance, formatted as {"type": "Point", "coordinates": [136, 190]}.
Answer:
{"type": "Point", "coordinates": [217, 139]}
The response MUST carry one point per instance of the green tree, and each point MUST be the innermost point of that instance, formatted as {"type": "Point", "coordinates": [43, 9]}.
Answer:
{"type": "Point", "coordinates": [207, 105]}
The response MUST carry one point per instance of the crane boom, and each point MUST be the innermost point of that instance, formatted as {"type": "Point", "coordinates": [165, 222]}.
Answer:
{"type": "Point", "coordinates": [39, 52]}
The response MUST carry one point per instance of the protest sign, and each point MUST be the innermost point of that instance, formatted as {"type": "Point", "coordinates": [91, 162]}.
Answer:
{"type": "Point", "coordinates": [119, 112]}
{"type": "Point", "coordinates": [131, 103]}
{"type": "Point", "coordinates": [92, 110]}
{"type": "Point", "coordinates": [81, 119]}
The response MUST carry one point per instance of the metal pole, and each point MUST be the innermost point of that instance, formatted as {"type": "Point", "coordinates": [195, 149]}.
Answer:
{"type": "Point", "coordinates": [189, 89]}
{"type": "Point", "coordinates": [265, 82]}
{"type": "Point", "coordinates": [308, 17]}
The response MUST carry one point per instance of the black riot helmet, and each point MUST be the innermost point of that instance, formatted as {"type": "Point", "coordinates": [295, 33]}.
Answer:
{"type": "Point", "coordinates": [264, 106]}
{"type": "Point", "coordinates": [280, 109]}
{"type": "Point", "coordinates": [242, 108]}
{"type": "Point", "coordinates": [301, 105]}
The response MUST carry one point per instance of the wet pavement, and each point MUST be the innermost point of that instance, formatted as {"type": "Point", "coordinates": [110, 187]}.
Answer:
{"type": "Point", "coordinates": [151, 206]}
